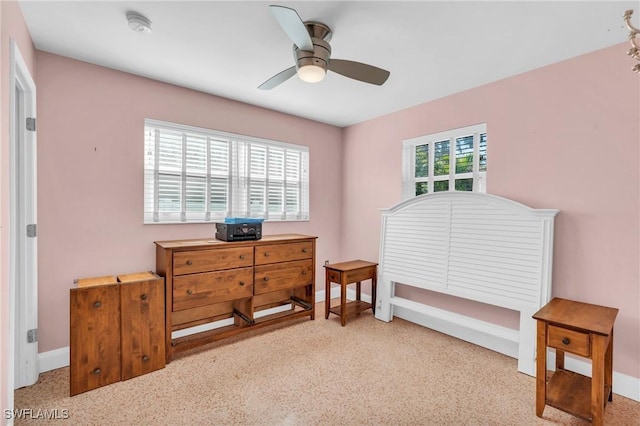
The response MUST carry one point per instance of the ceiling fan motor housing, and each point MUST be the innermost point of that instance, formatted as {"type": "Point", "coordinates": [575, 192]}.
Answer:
{"type": "Point", "coordinates": [319, 56]}
{"type": "Point", "coordinates": [320, 36]}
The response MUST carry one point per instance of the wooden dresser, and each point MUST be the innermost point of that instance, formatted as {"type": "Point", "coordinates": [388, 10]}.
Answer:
{"type": "Point", "coordinates": [228, 288]}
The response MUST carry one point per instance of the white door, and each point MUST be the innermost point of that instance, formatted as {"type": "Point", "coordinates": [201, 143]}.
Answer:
{"type": "Point", "coordinates": [23, 250]}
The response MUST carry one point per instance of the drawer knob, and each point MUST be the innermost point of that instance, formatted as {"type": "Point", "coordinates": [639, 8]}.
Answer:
{"type": "Point", "coordinates": [304, 272]}
{"type": "Point", "coordinates": [189, 262]}
{"type": "Point", "coordinates": [189, 291]}
{"type": "Point", "coordinates": [143, 297]}
{"type": "Point", "coordinates": [266, 278]}
{"type": "Point", "coordinates": [266, 254]}
{"type": "Point", "coordinates": [242, 257]}
{"type": "Point", "coordinates": [97, 304]}
{"type": "Point", "coordinates": [566, 341]}
{"type": "Point", "coordinates": [145, 358]}
{"type": "Point", "coordinates": [241, 283]}
{"type": "Point", "coordinates": [304, 250]}
{"type": "Point", "coordinates": [97, 371]}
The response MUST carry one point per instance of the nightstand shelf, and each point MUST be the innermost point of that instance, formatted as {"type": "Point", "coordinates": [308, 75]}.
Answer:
{"type": "Point", "coordinates": [352, 307]}
{"type": "Point", "coordinates": [571, 392]}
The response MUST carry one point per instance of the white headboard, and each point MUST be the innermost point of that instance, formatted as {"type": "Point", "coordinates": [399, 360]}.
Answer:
{"type": "Point", "coordinates": [474, 246]}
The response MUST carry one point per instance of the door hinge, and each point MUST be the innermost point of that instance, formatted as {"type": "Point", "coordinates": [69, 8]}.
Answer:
{"type": "Point", "coordinates": [31, 230]}
{"type": "Point", "coordinates": [31, 124]}
{"type": "Point", "coordinates": [32, 335]}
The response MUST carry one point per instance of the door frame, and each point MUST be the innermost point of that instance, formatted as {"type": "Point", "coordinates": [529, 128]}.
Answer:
{"type": "Point", "coordinates": [23, 250]}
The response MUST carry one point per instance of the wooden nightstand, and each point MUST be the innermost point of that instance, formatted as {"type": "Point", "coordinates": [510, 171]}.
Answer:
{"type": "Point", "coordinates": [582, 329]}
{"type": "Point", "coordinates": [344, 274]}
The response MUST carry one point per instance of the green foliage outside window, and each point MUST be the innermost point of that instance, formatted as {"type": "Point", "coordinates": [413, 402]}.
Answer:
{"type": "Point", "coordinates": [440, 185]}
{"type": "Point", "coordinates": [422, 188]}
{"type": "Point", "coordinates": [464, 184]}
{"type": "Point", "coordinates": [441, 163]}
{"type": "Point", "coordinates": [441, 158]}
{"type": "Point", "coordinates": [422, 161]}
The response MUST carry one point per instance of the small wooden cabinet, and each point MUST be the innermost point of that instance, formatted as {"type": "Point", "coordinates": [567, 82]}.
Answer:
{"type": "Point", "coordinates": [141, 324]}
{"type": "Point", "coordinates": [210, 281]}
{"type": "Point", "coordinates": [94, 348]}
{"type": "Point", "coordinates": [116, 329]}
{"type": "Point", "coordinates": [582, 329]}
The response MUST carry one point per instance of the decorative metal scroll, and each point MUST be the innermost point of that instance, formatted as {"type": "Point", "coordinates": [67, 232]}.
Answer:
{"type": "Point", "coordinates": [634, 52]}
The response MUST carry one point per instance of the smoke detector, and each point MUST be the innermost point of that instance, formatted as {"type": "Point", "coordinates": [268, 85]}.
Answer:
{"type": "Point", "coordinates": [138, 22]}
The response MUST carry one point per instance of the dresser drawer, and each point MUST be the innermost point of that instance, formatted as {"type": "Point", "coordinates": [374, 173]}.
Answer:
{"type": "Point", "coordinates": [569, 340]}
{"type": "Point", "coordinates": [192, 262]}
{"type": "Point", "coordinates": [275, 253]}
{"type": "Point", "coordinates": [194, 290]}
{"type": "Point", "coordinates": [282, 276]}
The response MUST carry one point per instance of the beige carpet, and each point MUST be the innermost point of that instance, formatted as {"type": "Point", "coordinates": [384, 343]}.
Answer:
{"type": "Point", "coordinates": [319, 373]}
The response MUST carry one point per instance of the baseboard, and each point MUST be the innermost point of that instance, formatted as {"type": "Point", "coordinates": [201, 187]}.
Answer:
{"type": "Point", "coordinates": [484, 334]}
{"type": "Point", "coordinates": [54, 359]}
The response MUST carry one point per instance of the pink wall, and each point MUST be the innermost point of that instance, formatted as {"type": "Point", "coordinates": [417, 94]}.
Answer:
{"type": "Point", "coordinates": [12, 26]}
{"type": "Point", "coordinates": [90, 175]}
{"type": "Point", "coordinates": [564, 136]}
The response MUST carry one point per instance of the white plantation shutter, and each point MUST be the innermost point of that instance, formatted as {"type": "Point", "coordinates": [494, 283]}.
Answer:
{"type": "Point", "coordinates": [219, 171]}
{"type": "Point", "coordinates": [197, 175]}
{"type": "Point", "coordinates": [294, 196]}
{"type": "Point", "coordinates": [454, 160]}
{"type": "Point", "coordinates": [257, 165]}
{"type": "Point", "coordinates": [276, 181]}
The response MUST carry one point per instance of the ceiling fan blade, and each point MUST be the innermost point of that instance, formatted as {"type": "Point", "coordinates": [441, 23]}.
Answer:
{"type": "Point", "coordinates": [281, 77]}
{"type": "Point", "coordinates": [359, 71]}
{"type": "Point", "coordinates": [292, 24]}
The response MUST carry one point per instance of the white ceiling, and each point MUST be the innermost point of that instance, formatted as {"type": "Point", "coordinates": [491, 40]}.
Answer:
{"type": "Point", "coordinates": [431, 48]}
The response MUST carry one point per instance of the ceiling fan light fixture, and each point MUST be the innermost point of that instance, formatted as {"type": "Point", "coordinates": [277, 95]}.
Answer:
{"type": "Point", "coordinates": [138, 22]}
{"type": "Point", "coordinates": [311, 73]}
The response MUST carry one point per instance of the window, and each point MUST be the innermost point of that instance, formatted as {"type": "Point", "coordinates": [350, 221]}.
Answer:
{"type": "Point", "coordinates": [197, 175]}
{"type": "Point", "coordinates": [455, 160]}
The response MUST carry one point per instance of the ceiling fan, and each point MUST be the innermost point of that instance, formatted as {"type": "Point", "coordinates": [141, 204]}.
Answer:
{"type": "Point", "coordinates": [312, 53]}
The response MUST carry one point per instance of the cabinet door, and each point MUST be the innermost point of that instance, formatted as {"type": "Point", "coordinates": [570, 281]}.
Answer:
{"type": "Point", "coordinates": [94, 337]}
{"type": "Point", "coordinates": [142, 310]}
